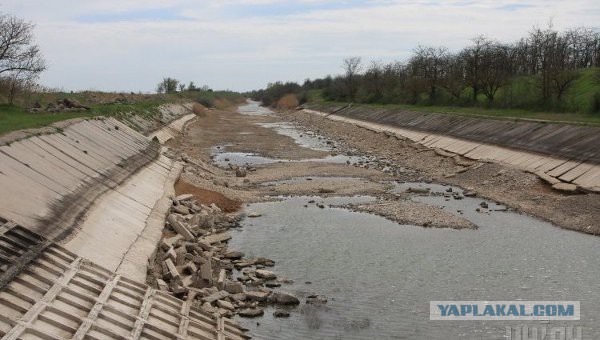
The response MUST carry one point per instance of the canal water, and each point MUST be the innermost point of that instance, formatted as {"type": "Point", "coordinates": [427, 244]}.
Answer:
{"type": "Point", "coordinates": [379, 276]}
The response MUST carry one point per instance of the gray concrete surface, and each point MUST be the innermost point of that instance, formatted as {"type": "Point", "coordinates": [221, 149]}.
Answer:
{"type": "Point", "coordinates": [582, 174]}
{"type": "Point", "coordinates": [63, 296]}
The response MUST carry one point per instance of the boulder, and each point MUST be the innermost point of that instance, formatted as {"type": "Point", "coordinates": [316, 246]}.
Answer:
{"type": "Point", "coordinates": [282, 298]}
{"type": "Point", "coordinates": [256, 295]}
{"type": "Point", "coordinates": [234, 287]}
{"type": "Point", "coordinates": [281, 313]}
{"type": "Point", "coordinates": [240, 172]}
{"type": "Point", "coordinates": [233, 255]}
{"type": "Point", "coordinates": [181, 209]}
{"type": "Point", "coordinates": [316, 299]}
{"type": "Point", "coordinates": [225, 304]}
{"type": "Point", "coordinates": [251, 312]}
{"type": "Point", "coordinates": [265, 274]}
{"type": "Point", "coordinates": [74, 104]}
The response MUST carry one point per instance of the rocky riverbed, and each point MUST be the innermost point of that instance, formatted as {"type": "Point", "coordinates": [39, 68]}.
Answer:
{"type": "Point", "coordinates": [304, 214]}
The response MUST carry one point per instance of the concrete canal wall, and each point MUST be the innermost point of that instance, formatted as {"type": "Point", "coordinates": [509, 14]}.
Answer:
{"type": "Point", "coordinates": [566, 156]}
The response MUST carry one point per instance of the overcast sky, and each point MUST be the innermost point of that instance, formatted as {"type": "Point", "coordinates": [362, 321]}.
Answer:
{"type": "Point", "coordinates": [129, 45]}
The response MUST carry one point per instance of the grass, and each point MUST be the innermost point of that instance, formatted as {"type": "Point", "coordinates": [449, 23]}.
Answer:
{"type": "Point", "coordinates": [15, 118]}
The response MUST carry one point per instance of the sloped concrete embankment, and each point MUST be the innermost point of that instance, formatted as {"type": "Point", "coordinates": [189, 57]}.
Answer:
{"type": "Point", "coordinates": [566, 156]}
{"type": "Point", "coordinates": [96, 185]}
{"type": "Point", "coordinates": [64, 296]}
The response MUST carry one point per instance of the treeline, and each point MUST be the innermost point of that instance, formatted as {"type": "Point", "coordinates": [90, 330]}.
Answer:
{"type": "Point", "coordinates": [536, 72]}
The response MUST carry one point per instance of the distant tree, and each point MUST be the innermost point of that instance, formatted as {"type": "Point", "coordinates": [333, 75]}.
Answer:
{"type": "Point", "coordinates": [181, 87]}
{"type": "Point", "coordinates": [496, 69]}
{"type": "Point", "coordinates": [472, 57]}
{"type": "Point", "coordinates": [352, 67]}
{"type": "Point", "coordinates": [428, 63]}
{"type": "Point", "coordinates": [167, 85]}
{"type": "Point", "coordinates": [192, 86]}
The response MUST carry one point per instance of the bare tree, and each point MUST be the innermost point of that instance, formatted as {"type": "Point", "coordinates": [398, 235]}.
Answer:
{"type": "Point", "coordinates": [181, 87]}
{"type": "Point", "coordinates": [352, 68]}
{"type": "Point", "coordinates": [18, 53]}
{"type": "Point", "coordinates": [496, 69]}
{"type": "Point", "coordinates": [20, 59]}
{"type": "Point", "coordinates": [472, 58]}
{"type": "Point", "coordinates": [428, 63]}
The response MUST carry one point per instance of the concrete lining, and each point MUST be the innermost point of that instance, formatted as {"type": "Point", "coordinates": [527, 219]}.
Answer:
{"type": "Point", "coordinates": [60, 295]}
{"type": "Point", "coordinates": [553, 139]}
{"type": "Point", "coordinates": [585, 174]}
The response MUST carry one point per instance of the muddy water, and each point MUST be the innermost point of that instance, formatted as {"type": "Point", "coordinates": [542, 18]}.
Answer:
{"type": "Point", "coordinates": [380, 276]}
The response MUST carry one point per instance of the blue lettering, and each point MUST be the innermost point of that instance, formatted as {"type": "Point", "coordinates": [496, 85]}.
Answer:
{"type": "Point", "coordinates": [443, 309]}
{"type": "Point", "coordinates": [489, 310]}
{"type": "Point", "coordinates": [538, 310]}
{"type": "Point", "coordinates": [569, 311]}
{"type": "Point", "coordinates": [465, 309]}
{"type": "Point", "coordinates": [512, 311]}
{"type": "Point", "coordinates": [551, 310]}
{"type": "Point", "coordinates": [501, 310]}
{"type": "Point", "coordinates": [453, 310]}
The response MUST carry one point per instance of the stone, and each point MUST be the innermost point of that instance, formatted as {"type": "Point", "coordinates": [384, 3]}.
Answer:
{"type": "Point", "coordinates": [239, 297]}
{"type": "Point", "coordinates": [216, 238]}
{"type": "Point", "coordinates": [181, 209]}
{"type": "Point", "coordinates": [255, 295]}
{"type": "Point", "coordinates": [234, 287]}
{"type": "Point", "coordinates": [225, 304]}
{"type": "Point", "coordinates": [233, 255]}
{"type": "Point", "coordinates": [281, 313]}
{"type": "Point", "coordinates": [215, 296]}
{"type": "Point", "coordinates": [221, 279]}
{"type": "Point", "coordinates": [254, 214]}
{"type": "Point", "coordinates": [316, 299]}
{"type": "Point", "coordinates": [282, 298]}
{"type": "Point", "coordinates": [162, 285]}
{"type": "Point", "coordinates": [240, 172]}
{"type": "Point", "coordinates": [73, 104]}
{"type": "Point", "coordinates": [264, 261]}
{"type": "Point", "coordinates": [251, 312]}
{"type": "Point", "coordinates": [172, 270]}
{"type": "Point", "coordinates": [265, 274]}
{"type": "Point", "coordinates": [171, 254]}
{"type": "Point", "coordinates": [184, 197]}
{"type": "Point", "coordinates": [179, 227]}
{"type": "Point", "coordinates": [272, 284]}
{"type": "Point", "coordinates": [484, 205]}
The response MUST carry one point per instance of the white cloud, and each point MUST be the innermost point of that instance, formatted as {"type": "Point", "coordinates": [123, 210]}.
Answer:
{"type": "Point", "coordinates": [210, 45]}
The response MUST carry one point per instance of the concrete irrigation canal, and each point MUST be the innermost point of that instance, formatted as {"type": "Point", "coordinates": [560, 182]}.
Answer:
{"type": "Point", "coordinates": [317, 223]}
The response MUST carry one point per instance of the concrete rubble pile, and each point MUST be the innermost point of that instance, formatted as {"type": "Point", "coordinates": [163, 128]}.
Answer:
{"type": "Point", "coordinates": [192, 262]}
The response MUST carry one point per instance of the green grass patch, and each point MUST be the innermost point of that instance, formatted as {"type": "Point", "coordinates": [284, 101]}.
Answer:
{"type": "Point", "coordinates": [15, 118]}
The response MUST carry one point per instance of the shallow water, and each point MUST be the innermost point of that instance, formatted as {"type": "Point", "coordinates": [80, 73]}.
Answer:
{"type": "Point", "coordinates": [223, 159]}
{"type": "Point", "coordinates": [253, 108]}
{"type": "Point", "coordinates": [297, 180]}
{"type": "Point", "coordinates": [380, 276]}
{"type": "Point", "coordinates": [305, 139]}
